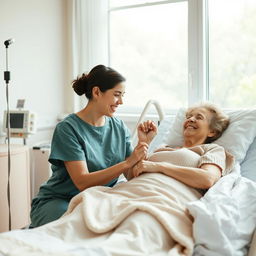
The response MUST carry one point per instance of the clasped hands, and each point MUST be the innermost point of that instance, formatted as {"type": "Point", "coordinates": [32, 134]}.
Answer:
{"type": "Point", "coordinates": [146, 132]}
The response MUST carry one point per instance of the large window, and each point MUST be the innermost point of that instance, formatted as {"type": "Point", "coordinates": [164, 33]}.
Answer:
{"type": "Point", "coordinates": [232, 52]}
{"type": "Point", "coordinates": [149, 46]}
{"type": "Point", "coordinates": [181, 52]}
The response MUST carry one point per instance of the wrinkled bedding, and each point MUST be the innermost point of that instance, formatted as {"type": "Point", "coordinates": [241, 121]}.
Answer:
{"type": "Point", "coordinates": [225, 218]}
{"type": "Point", "coordinates": [149, 215]}
{"type": "Point", "coordinates": [145, 216]}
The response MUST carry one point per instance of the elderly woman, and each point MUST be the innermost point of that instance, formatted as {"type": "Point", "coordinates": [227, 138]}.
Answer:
{"type": "Point", "coordinates": [197, 163]}
{"type": "Point", "coordinates": [147, 215]}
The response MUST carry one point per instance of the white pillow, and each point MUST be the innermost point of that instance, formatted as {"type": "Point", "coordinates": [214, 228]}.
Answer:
{"type": "Point", "coordinates": [175, 135]}
{"type": "Point", "coordinates": [236, 139]}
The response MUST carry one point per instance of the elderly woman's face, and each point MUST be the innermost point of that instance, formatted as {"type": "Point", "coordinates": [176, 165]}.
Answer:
{"type": "Point", "coordinates": [197, 124]}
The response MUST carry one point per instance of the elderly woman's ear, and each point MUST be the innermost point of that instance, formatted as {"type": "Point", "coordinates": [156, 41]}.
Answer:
{"type": "Point", "coordinates": [212, 134]}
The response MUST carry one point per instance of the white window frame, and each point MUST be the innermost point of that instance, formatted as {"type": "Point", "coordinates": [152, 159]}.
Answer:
{"type": "Point", "coordinates": [96, 34]}
{"type": "Point", "coordinates": [198, 61]}
{"type": "Point", "coordinates": [198, 83]}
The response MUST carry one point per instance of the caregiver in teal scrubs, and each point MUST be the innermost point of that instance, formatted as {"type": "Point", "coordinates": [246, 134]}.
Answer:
{"type": "Point", "coordinates": [89, 148]}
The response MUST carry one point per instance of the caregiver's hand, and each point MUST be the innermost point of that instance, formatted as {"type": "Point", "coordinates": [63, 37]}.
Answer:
{"type": "Point", "coordinates": [147, 131]}
{"type": "Point", "coordinates": [144, 166]}
{"type": "Point", "coordinates": [139, 153]}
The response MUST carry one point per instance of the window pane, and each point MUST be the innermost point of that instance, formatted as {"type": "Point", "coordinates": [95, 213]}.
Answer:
{"type": "Point", "coordinates": [148, 45]}
{"type": "Point", "coordinates": [119, 3]}
{"type": "Point", "coordinates": [232, 52]}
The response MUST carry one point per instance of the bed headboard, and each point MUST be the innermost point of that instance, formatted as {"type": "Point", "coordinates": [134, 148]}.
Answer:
{"type": "Point", "coordinates": [160, 113]}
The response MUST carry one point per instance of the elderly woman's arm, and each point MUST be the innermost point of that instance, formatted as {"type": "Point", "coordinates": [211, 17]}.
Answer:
{"type": "Point", "coordinates": [204, 177]}
{"type": "Point", "coordinates": [146, 131]}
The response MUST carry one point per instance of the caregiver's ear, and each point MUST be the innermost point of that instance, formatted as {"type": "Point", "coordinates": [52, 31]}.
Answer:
{"type": "Point", "coordinates": [96, 92]}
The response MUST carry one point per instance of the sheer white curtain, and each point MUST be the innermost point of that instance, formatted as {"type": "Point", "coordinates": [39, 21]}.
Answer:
{"type": "Point", "coordinates": [89, 37]}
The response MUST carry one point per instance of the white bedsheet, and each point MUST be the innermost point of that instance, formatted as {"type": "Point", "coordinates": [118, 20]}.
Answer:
{"type": "Point", "coordinates": [224, 220]}
{"type": "Point", "coordinates": [225, 217]}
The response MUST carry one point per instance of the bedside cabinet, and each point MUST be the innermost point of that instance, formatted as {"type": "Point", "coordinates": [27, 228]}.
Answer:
{"type": "Point", "coordinates": [19, 187]}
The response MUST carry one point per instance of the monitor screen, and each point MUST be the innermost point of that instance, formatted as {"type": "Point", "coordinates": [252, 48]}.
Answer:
{"type": "Point", "coordinates": [16, 120]}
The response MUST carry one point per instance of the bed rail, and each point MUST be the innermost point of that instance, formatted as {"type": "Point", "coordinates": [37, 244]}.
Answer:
{"type": "Point", "coordinates": [160, 113]}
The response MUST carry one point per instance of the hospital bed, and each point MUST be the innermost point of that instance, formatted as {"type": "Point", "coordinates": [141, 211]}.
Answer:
{"type": "Point", "coordinates": [240, 140]}
{"type": "Point", "coordinates": [224, 218]}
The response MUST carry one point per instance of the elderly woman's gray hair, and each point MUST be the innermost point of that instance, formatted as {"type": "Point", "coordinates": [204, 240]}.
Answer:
{"type": "Point", "coordinates": [219, 120]}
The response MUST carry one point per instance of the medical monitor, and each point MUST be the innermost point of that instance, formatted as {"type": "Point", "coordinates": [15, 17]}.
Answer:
{"type": "Point", "coordinates": [21, 121]}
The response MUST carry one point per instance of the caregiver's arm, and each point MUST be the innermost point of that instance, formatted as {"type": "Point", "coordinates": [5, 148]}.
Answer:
{"type": "Point", "coordinates": [128, 173]}
{"type": "Point", "coordinates": [204, 177]}
{"type": "Point", "coordinates": [82, 179]}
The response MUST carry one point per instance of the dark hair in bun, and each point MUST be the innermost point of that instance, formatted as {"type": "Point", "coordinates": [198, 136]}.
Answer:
{"type": "Point", "coordinates": [80, 84]}
{"type": "Point", "coordinates": [101, 76]}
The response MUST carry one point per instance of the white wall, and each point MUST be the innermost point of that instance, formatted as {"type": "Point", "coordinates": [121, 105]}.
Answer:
{"type": "Point", "coordinates": [38, 60]}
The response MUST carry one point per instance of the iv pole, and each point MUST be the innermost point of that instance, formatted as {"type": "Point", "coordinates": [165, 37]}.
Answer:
{"type": "Point", "coordinates": [7, 79]}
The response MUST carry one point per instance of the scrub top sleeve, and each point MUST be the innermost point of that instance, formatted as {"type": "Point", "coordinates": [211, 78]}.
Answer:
{"type": "Point", "coordinates": [65, 145]}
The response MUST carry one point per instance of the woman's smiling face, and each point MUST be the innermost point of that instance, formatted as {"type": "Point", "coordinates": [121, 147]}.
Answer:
{"type": "Point", "coordinates": [111, 99]}
{"type": "Point", "coordinates": [197, 124]}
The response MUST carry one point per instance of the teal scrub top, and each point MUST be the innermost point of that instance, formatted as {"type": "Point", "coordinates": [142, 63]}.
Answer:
{"type": "Point", "coordinates": [74, 140]}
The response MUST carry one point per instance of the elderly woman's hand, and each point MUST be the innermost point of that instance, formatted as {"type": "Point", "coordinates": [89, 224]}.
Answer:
{"type": "Point", "coordinates": [144, 166]}
{"type": "Point", "coordinates": [147, 131]}
{"type": "Point", "coordinates": [139, 153]}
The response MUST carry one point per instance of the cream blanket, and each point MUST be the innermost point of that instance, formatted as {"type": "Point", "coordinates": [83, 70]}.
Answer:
{"type": "Point", "coordinates": [145, 216]}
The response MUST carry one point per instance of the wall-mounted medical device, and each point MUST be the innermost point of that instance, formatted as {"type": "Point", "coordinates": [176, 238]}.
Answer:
{"type": "Point", "coordinates": [22, 123]}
